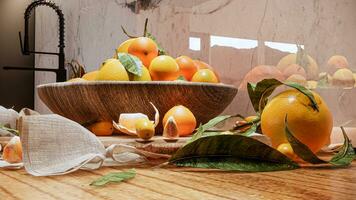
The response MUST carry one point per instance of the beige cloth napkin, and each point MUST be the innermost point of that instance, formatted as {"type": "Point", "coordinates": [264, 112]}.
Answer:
{"type": "Point", "coordinates": [54, 145]}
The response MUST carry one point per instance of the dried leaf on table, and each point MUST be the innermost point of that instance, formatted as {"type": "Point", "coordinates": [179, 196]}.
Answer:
{"type": "Point", "coordinates": [114, 177]}
{"type": "Point", "coordinates": [202, 129]}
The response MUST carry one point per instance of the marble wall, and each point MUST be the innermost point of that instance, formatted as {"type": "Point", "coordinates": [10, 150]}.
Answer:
{"type": "Point", "coordinates": [325, 27]}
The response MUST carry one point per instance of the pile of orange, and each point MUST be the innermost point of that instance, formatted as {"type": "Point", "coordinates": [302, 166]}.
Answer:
{"type": "Point", "coordinates": [155, 67]}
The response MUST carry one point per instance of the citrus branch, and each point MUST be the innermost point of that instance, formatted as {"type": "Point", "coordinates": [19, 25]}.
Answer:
{"type": "Point", "coordinates": [125, 32]}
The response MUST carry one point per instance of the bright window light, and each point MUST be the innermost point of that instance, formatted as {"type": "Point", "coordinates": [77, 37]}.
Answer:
{"type": "Point", "coordinates": [237, 43]}
{"type": "Point", "coordinates": [286, 47]}
{"type": "Point", "coordinates": [194, 43]}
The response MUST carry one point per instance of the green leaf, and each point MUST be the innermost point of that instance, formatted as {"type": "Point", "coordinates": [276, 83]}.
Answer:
{"type": "Point", "coordinates": [306, 92]}
{"type": "Point", "coordinates": [215, 121]}
{"type": "Point", "coordinates": [114, 177]}
{"type": "Point", "coordinates": [6, 128]}
{"type": "Point", "coordinates": [252, 130]}
{"type": "Point", "coordinates": [260, 92]}
{"type": "Point", "coordinates": [253, 126]}
{"type": "Point", "coordinates": [235, 164]}
{"type": "Point", "coordinates": [231, 152]}
{"type": "Point", "coordinates": [131, 63]}
{"type": "Point", "coordinates": [161, 51]}
{"type": "Point", "coordinates": [181, 78]}
{"type": "Point", "coordinates": [343, 158]}
{"type": "Point", "coordinates": [201, 131]}
{"type": "Point", "coordinates": [301, 149]}
{"type": "Point", "coordinates": [346, 155]}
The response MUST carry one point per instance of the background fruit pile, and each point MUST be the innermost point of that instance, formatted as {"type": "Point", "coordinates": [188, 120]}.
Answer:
{"type": "Point", "coordinates": [303, 69]}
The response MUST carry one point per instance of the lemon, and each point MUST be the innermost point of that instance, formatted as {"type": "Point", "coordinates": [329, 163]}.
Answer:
{"type": "Point", "coordinates": [124, 47]}
{"type": "Point", "coordinates": [108, 61]}
{"type": "Point", "coordinates": [77, 80]}
{"type": "Point", "coordinates": [112, 70]}
{"type": "Point", "coordinates": [144, 77]}
{"type": "Point", "coordinates": [90, 76]}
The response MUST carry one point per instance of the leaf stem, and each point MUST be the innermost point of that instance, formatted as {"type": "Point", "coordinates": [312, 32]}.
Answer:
{"type": "Point", "coordinates": [145, 28]}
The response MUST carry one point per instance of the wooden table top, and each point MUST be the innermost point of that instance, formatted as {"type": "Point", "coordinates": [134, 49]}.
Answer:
{"type": "Point", "coordinates": [179, 183]}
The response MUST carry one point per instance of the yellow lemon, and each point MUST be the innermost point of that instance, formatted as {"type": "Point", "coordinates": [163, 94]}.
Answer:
{"type": "Point", "coordinates": [90, 76]}
{"type": "Point", "coordinates": [77, 80]}
{"type": "Point", "coordinates": [124, 47]}
{"type": "Point", "coordinates": [144, 77]}
{"type": "Point", "coordinates": [112, 70]}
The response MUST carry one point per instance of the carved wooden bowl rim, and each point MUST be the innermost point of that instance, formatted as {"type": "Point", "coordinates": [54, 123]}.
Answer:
{"type": "Point", "coordinates": [173, 83]}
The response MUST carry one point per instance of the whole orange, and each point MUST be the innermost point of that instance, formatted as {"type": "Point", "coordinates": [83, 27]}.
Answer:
{"type": "Point", "coordinates": [287, 150]}
{"type": "Point", "coordinates": [184, 119]}
{"type": "Point", "coordinates": [102, 128]}
{"type": "Point", "coordinates": [164, 68]}
{"type": "Point", "coordinates": [205, 75]}
{"type": "Point", "coordinates": [204, 65]}
{"type": "Point", "coordinates": [187, 67]}
{"type": "Point", "coordinates": [311, 127]}
{"type": "Point", "coordinates": [145, 49]}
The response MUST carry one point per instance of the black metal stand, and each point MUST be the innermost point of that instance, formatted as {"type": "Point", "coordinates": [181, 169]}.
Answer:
{"type": "Point", "coordinates": [61, 73]}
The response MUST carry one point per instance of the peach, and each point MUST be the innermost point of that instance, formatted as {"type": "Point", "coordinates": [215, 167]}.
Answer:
{"type": "Point", "coordinates": [259, 73]}
{"type": "Point", "coordinates": [312, 69]}
{"type": "Point", "coordinates": [336, 62]}
{"type": "Point", "coordinates": [297, 78]}
{"type": "Point", "coordinates": [343, 78]}
{"type": "Point", "coordinates": [294, 69]}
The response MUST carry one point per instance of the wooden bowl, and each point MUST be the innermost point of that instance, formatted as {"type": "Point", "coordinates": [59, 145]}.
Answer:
{"type": "Point", "coordinates": [86, 102]}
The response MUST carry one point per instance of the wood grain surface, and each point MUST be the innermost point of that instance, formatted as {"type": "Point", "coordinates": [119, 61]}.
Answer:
{"type": "Point", "coordinates": [90, 101]}
{"type": "Point", "coordinates": [190, 184]}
